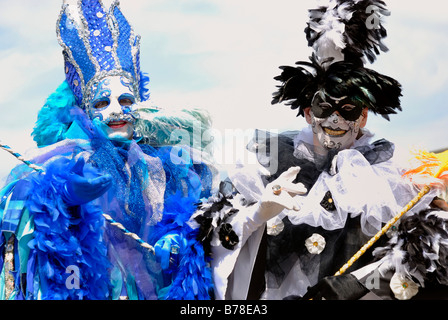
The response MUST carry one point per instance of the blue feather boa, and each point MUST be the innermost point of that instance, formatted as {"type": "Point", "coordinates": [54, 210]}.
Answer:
{"type": "Point", "coordinates": [192, 279]}
{"type": "Point", "coordinates": [65, 237]}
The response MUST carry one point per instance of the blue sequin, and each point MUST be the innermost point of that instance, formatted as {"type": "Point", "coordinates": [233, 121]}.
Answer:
{"type": "Point", "coordinates": [73, 78]}
{"type": "Point", "coordinates": [98, 44]}
{"type": "Point", "coordinates": [124, 47]}
{"type": "Point", "coordinates": [70, 37]}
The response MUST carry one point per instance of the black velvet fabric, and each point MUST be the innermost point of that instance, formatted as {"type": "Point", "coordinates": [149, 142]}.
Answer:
{"type": "Point", "coordinates": [343, 287]}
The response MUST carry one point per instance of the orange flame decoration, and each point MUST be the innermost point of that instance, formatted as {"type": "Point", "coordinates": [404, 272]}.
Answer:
{"type": "Point", "coordinates": [429, 169]}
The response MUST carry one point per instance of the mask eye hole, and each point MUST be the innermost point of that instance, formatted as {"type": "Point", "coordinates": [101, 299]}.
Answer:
{"type": "Point", "coordinates": [125, 102]}
{"type": "Point", "coordinates": [101, 104]}
{"type": "Point", "coordinates": [325, 106]}
{"type": "Point", "coordinates": [348, 107]}
{"type": "Point", "coordinates": [351, 112]}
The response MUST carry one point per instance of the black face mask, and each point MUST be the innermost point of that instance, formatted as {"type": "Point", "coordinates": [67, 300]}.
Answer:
{"type": "Point", "coordinates": [324, 106]}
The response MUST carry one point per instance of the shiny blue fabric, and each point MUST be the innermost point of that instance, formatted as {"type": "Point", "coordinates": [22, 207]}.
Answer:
{"type": "Point", "coordinates": [124, 50]}
{"type": "Point", "coordinates": [71, 38]}
{"type": "Point", "coordinates": [185, 185]}
{"type": "Point", "coordinates": [94, 16]}
{"type": "Point", "coordinates": [12, 214]}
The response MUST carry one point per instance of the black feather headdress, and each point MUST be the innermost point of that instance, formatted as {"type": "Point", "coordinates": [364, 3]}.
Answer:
{"type": "Point", "coordinates": [342, 34]}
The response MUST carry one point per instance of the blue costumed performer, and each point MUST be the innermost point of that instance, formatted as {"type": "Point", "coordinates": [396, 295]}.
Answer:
{"type": "Point", "coordinates": [107, 216]}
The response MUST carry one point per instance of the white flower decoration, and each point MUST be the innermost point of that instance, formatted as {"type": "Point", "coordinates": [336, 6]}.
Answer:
{"type": "Point", "coordinates": [275, 227]}
{"type": "Point", "coordinates": [402, 287]}
{"type": "Point", "coordinates": [315, 244]}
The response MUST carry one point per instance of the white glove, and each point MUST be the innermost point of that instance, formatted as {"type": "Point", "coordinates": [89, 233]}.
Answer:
{"type": "Point", "coordinates": [272, 204]}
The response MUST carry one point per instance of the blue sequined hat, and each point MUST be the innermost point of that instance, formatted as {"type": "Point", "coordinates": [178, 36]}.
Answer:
{"type": "Point", "coordinates": [96, 44]}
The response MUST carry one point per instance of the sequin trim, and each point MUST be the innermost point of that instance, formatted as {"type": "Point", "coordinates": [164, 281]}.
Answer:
{"type": "Point", "coordinates": [9, 267]}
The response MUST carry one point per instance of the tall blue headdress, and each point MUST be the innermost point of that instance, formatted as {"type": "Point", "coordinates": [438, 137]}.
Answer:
{"type": "Point", "coordinates": [98, 43]}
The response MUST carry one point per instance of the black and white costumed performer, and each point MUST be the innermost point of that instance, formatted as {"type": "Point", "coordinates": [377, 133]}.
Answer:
{"type": "Point", "coordinates": [283, 233]}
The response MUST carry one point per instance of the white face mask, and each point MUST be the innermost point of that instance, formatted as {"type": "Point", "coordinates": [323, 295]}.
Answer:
{"type": "Point", "coordinates": [334, 132]}
{"type": "Point", "coordinates": [113, 104]}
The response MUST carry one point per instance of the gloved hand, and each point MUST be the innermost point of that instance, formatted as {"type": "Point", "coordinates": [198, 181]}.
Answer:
{"type": "Point", "coordinates": [79, 189]}
{"type": "Point", "coordinates": [168, 245]}
{"type": "Point", "coordinates": [343, 287]}
{"type": "Point", "coordinates": [271, 204]}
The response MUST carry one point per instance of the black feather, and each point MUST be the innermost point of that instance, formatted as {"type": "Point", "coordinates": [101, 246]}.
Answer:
{"type": "Point", "coordinates": [298, 85]}
{"type": "Point", "coordinates": [362, 37]}
{"type": "Point", "coordinates": [379, 93]}
{"type": "Point", "coordinates": [424, 241]}
{"type": "Point", "coordinates": [363, 33]}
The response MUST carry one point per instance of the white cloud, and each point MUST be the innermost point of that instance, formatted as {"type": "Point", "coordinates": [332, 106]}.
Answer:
{"type": "Point", "coordinates": [241, 50]}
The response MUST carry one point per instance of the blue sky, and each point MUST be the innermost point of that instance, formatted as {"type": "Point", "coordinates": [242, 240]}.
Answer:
{"type": "Point", "coordinates": [222, 56]}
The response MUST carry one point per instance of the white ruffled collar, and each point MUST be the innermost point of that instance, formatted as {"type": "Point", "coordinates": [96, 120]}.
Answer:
{"type": "Point", "coordinates": [376, 192]}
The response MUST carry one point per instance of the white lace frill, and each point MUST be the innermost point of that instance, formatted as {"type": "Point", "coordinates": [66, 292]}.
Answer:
{"type": "Point", "coordinates": [375, 192]}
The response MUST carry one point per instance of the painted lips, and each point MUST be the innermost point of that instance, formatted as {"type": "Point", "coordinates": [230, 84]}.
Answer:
{"type": "Point", "coordinates": [117, 124]}
{"type": "Point", "coordinates": [335, 132]}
